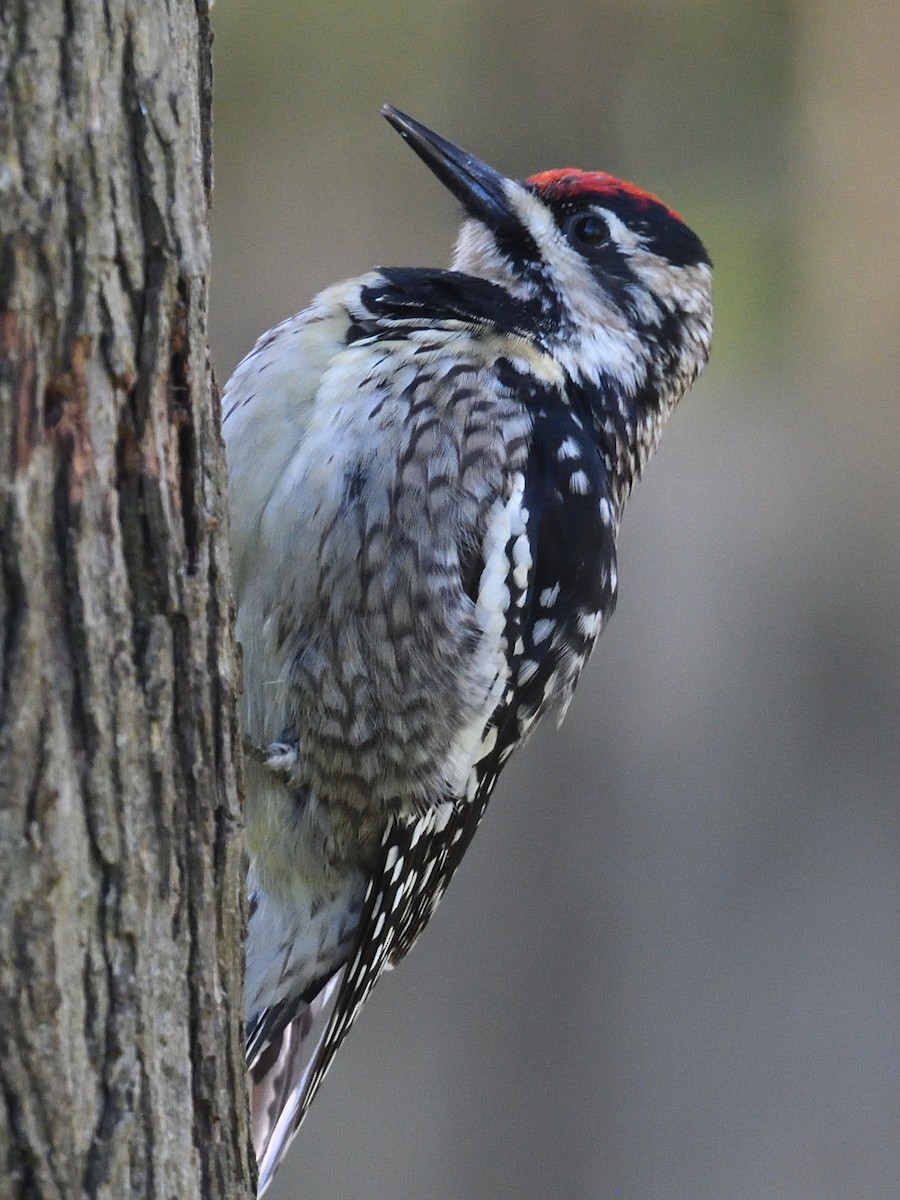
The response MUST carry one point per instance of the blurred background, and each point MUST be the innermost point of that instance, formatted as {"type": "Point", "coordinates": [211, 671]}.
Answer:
{"type": "Point", "coordinates": [670, 967]}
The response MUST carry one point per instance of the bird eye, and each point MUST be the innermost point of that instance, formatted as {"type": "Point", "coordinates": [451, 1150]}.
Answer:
{"type": "Point", "coordinates": [587, 229]}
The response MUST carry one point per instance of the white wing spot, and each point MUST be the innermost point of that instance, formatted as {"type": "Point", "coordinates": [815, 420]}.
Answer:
{"type": "Point", "coordinates": [569, 449]}
{"type": "Point", "coordinates": [579, 484]}
{"type": "Point", "coordinates": [549, 596]}
{"type": "Point", "coordinates": [527, 670]}
{"type": "Point", "coordinates": [418, 830]}
{"type": "Point", "coordinates": [398, 869]}
{"type": "Point", "coordinates": [590, 624]}
{"type": "Point", "coordinates": [542, 630]}
{"type": "Point", "coordinates": [442, 816]}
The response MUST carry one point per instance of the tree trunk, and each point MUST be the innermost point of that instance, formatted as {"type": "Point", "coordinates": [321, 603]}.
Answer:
{"type": "Point", "coordinates": [121, 889]}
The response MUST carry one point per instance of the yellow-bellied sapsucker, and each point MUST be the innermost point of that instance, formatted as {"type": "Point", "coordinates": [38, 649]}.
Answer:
{"type": "Point", "coordinates": [427, 470]}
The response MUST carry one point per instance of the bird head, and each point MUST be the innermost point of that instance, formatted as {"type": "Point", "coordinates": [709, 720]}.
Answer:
{"type": "Point", "coordinates": [619, 286]}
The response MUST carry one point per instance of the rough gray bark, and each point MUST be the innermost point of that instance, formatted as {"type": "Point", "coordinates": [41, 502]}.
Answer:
{"type": "Point", "coordinates": [121, 910]}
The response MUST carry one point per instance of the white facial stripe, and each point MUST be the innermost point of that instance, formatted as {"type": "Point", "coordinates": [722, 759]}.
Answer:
{"type": "Point", "coordinates": [534, 214]}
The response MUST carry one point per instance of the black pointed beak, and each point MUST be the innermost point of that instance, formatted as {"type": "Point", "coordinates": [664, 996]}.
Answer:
{"type": "Point", "coordinates": [479, 188]}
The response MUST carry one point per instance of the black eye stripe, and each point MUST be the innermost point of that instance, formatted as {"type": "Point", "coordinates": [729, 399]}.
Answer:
{"type": "Point", "coordinates": [662, 233]}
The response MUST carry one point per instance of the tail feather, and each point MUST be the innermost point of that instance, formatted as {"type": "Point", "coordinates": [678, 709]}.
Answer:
{"type": "Point", "coordinates": [282, 1080]}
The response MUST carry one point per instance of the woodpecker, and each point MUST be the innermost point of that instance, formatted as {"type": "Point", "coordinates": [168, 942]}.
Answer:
{"type": "Point", "coordinates": [427, 470]}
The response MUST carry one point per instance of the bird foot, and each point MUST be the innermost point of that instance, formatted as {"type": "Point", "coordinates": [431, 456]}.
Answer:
{"type": "Point", "coordinates": [280, 758]}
